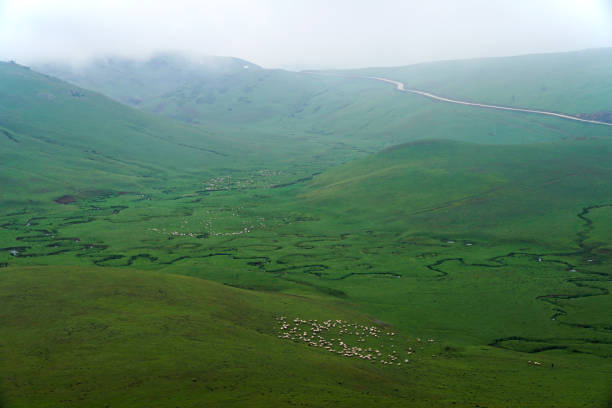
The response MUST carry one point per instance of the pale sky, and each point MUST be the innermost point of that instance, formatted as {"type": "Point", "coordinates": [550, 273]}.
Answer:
{"type": "Point", "coordinates": [301, 33]}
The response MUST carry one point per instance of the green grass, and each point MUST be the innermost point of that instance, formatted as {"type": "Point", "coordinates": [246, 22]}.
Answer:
{"type": "Point", "coordinates": [333, 115]}
{"type": "Point", "coordinates": [509, 191]}
{"type": "Point", "coordinates": [104, 337]}
{"type": "Point", "coordinates": [498, 264]}
{"type": "Point", "coordinates": [571, 82]}
{"type": "Point", "coordinates": [489, 236]}
{"type": "Point", "coordinates": [50, 131]}
{"type": "Point", "coordinates": [107, 337]}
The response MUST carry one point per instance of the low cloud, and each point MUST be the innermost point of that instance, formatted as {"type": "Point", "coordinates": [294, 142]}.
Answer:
{"type": "Point", "coordinates": [300, 34]}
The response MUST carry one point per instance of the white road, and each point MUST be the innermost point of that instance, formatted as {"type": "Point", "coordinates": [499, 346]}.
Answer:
{"type": "Point", "coordinates": [401, 87]}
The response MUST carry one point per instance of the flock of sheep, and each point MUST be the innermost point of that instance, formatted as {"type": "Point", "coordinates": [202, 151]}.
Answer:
{"type": "Point", "coordinates": [346, 339]}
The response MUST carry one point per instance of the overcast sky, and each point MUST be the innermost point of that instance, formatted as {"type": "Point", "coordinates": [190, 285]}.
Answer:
{"type": "Point", "coordinates": [301, 33]}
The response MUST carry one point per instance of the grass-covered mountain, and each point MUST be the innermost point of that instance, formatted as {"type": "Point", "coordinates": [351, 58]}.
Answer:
{"type": "Point", "coordinates": [577, 83]}
{"type": "Point", "coordinates": [134, 82]}
{"type": "Point", "coordinates": [465, 188]}
{"type": "Point", "coordinates": [58, 138]}
{"type": "Point", "coordinates": [55, 136]}
{"type": "Point", "coordinates": [195, 89]}
{"type": "Point", "coordinates": [478, 251]}
{"type": "Point", "coordinates": [348, 112]}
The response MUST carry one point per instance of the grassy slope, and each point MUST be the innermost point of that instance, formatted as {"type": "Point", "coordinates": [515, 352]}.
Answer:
{"type": "Point", "coordinates": [572, 82]}
{"type": "Point", "coordinates": [51, 131]}
{"type": "Point", "coordinates": [133, 82]}
{"type": "Point", "coordinates": [365, 218]}
{"type": "Point", "coordinates": [217, 89]}
{"type": "Point", "coordinates": [510, 191]}
{"type": "Point", "coordinates": [484, 218]}
{"type": "Point", "coordinates": [320, 113]}
{"type": "Point", "coordinates": [125, 338]}
{"type": "Point", "coordinates": [358, 233]}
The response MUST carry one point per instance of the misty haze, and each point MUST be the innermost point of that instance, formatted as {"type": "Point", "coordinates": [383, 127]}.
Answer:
{"type": "Point", "coordinates": [288, 203]}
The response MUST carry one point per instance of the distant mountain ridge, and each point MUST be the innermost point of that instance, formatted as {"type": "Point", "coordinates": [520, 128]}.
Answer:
{"type": "Point", "coordinates": [50, 131]}
{"type": "Point", "coordinates": [250, 113]}
{"type": "Point", "coordinates": [195, 90]}
{"type": "Point", "coordinates": [227, 89]}
{"type": "Point", "coordinates": [576, 83]}
{"type": "Point", "coordinates": [132, 81]}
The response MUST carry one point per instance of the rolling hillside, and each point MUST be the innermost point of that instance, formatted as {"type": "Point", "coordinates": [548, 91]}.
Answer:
{"type": "Point", "coordinates": [460, 187]}
{"type": "Point", "coordinates": [58, 139]}
{"type": "Point", "coordinates": [55, 136]}
{"type": "Point", "coordinates": [321, 113]}
{"type": "Point", "coordinates": [572, 82]}
{"type": "Point", "coordinates": [134, 82]}
{"type": "Point", "coordinates": [106, 337]}
{"type": "Point", "coordinates": [179, 261]}
{"type": "Point", "coordinates": [196, 90]}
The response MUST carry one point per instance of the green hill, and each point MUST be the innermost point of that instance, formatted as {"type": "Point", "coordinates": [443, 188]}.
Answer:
{"type": "Point", "coordinates": [115, 338]}
{"type": "Point", "coordinates": [467, 188]}
{"type": "Point", "coordinates": [106, 337]}
{"type": "Point", "coordinates": [571, 82]}
{"type": "Point", "coordinates": [486, 234]}
{"type": "Point", "coordinates": [133, 82]}
{"type": "Point", "coordinates": [51, 132]}
{"type": "Point", "coordinates": [353, 116]}
{"type": "Point", "coordinates": [197, 90]}
{"type": "Point", "coordinates": [58, 139]}
{"type": "Point", "coordinates": [498, 253]}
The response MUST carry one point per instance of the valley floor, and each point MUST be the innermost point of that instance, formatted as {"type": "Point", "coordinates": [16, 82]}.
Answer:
{"type": "Point", "coordinates": [511, 312]}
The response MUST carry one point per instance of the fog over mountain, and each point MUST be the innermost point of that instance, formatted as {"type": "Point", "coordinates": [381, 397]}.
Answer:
{"type": "Point", "coordinates": [301, 34]}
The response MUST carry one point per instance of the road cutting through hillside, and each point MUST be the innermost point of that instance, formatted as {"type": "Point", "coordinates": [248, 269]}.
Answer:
{"type": "Point", "coordinates": [401, 87]}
